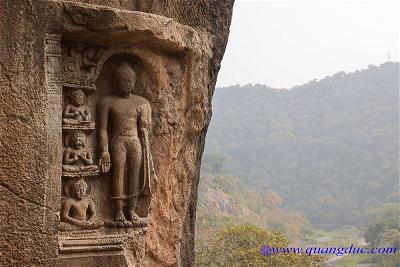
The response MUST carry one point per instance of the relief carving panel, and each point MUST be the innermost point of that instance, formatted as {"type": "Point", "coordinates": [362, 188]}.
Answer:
{"type": "Point", "coordinates": [133, 97]}
{"type": "Point", "coordinates": [107, 167]}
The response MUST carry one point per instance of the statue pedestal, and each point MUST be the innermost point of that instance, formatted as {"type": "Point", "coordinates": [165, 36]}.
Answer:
{"type": "Point", "coordinates": [118, 247]}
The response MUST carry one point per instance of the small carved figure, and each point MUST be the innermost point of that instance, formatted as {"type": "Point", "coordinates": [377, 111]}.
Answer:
{"type": "Point", "coordinates": [128, 117]}
{"type": "Point", "coordinates": [76, 112]}
{"type": "Point", "coordinates": [78, 157]}
{"type": "Point", "coordinates": [80, 62]}
{"type": "Point", "coordinates": [79, 210]}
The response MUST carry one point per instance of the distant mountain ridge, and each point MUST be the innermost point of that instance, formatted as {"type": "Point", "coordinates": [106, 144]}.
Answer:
{"type": "Point", "coordinates": [329, 147]}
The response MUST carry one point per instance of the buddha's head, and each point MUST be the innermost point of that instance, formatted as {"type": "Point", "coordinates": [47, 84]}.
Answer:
{"type": "Point", "coordinates": [77, 97]}
{"type": "Point", "coordinates": [79, 189]}
{"type": "Point", "coordinates": [78, 140]}
{"type": "Point", "coordinates": [123, 79]}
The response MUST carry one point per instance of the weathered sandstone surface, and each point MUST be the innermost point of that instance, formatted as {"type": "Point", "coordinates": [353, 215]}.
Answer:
{"type": "Point", "coordinates": [51, 50]}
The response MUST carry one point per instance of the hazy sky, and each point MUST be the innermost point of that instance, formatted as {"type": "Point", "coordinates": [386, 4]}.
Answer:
{"type": "Point", "coordinates": [287, 43]}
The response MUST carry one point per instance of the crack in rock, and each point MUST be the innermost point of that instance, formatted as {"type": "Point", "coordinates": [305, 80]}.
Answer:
{"type": "Point", "coordinates": [23, 198]}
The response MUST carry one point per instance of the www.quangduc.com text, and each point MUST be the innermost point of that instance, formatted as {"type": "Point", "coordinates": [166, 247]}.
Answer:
{"type": "Point", "coordinates": [267, 250]}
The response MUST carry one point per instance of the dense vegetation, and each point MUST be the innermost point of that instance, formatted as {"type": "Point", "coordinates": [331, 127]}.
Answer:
{"type": "Point", "coordinates": [234, 222]}
{"type": "Point", "coordinates": [382, 230]}
{"type": "Point", "coordinates": [329, 148]}
{"type": "Point", "coordinates": [224, 202]}
{"type": "Point", "coordinates": [316, 165]}
{"type": "Point", "coordinates": [240, 246]}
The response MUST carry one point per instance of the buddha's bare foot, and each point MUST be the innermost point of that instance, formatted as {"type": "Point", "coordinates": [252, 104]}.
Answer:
{"type": "Point", "coordinates": [136, 220]}
{"type": "Point", "coordinates": [119, 216]}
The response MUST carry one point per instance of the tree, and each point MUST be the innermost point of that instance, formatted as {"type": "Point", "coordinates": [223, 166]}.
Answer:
{"type": "Point", "coordinates": [240, 246]}
{"type": "Point", "coordinates": [212, 164]}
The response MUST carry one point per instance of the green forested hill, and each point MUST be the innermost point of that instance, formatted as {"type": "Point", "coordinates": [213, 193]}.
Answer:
{"type": "Point", "coordinates": [329, 147]}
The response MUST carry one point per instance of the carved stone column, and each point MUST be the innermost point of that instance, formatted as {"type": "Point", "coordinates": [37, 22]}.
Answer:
{"type": "Point", "coordinates": [104, 111]}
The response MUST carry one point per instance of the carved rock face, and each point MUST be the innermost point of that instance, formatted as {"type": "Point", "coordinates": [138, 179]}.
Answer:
{"type": "Point", "coordinates": [175, 55]}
